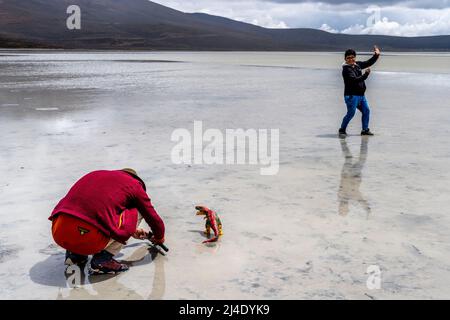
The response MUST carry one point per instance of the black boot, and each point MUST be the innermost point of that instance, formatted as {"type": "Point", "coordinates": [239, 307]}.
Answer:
{"type": "Point", "coordinates": [103, 262]}
{"type": "Point", "coordinates": [75, 259]}
{"type": "Point", "coordinates": [342, 133]}
{"type": "Point", "coordinates": [366, 132]}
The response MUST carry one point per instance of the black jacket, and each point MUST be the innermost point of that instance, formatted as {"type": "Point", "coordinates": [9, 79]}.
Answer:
{"type": "Point", "coordinates": [354, 78]}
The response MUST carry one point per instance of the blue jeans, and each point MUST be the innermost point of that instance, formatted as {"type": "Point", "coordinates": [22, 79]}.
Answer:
{"type": "Point", "coordinates": [353, 103]}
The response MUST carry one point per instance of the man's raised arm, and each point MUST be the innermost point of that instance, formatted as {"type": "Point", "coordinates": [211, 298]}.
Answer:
{"type": "Point", "coordinates": [371, 61]}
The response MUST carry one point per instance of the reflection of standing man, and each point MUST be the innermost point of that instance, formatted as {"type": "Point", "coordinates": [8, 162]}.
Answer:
{"type": "Point", "coordinates": [351, 178]}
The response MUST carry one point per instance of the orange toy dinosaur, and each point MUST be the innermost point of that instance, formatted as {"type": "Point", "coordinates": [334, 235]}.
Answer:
{"type": "Point", "coordinates": [212, 222]}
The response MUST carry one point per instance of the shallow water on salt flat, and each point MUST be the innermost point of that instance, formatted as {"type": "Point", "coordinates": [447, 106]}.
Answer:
{"type": "Point", "coordinates": [335, 208]}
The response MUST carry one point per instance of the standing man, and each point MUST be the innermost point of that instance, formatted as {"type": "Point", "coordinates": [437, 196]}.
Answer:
{"type": "Point", "coordinates": [99, 214]}
{"type": "Point", "coordinates": [355, 89]}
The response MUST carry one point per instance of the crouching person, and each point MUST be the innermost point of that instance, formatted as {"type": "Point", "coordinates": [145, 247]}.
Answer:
{"type": "Point", "coordinates": [99, 214]}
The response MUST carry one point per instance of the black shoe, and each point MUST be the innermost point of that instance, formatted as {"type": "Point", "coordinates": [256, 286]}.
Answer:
{"type": "Point", "coordinates": [103, 262]}
{"type": "Point", "coordinates": [75, 259]}
{"type": "Point", "coordinates": [342, 133]}
{"type": "Point", "coordinates": [366, 132]}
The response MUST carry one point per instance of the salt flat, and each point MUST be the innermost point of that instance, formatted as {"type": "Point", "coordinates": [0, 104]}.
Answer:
{"type": "Point", "coordinates": [310, 232]}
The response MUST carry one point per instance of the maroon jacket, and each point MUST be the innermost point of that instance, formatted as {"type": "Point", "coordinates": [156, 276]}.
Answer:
{"type": "Point", "coordinates": [100, 197]}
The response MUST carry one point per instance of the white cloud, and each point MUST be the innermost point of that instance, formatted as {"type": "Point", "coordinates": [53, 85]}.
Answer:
{"type": "Point", "coordinates": [264, 14]}
{"type": "Point", "coordinates": [268, 21]}
{"type": "Point", "coordinates": [327, 28]}
{"type": "Point", "coordinates": [394, 28]}
{"type": "Point", "coordinates": [407, 18]}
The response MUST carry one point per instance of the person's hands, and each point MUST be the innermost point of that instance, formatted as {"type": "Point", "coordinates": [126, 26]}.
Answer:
{"type": "Point", "coordinates": [140, 234]}
{"type": "Point", "coordinates": [376, 50]}
{"type": "Point", "coordinates": [368, 71]}
{"type": "Point", "coordinates": [157, 241]}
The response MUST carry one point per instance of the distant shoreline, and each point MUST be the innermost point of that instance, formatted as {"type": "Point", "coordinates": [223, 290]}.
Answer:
{"type": "Point", "coordinates": [391, 64]}
{"type": "Point", "coordinates": [385, 53]}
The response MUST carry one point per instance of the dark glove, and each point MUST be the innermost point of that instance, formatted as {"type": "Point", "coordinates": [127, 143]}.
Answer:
{"type": "Point", "coordinates": [157, 241]}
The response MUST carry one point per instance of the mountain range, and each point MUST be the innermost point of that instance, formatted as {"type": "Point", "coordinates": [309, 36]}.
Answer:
{"type": "Point", "coordinates": [142, 24]}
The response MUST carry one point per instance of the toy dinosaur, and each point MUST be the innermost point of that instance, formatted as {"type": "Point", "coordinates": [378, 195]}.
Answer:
{"type": "Point", "coordinates": [212, 222]}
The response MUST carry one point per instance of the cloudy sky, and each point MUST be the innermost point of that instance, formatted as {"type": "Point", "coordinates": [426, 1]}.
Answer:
{"type": "Point", "coordinates": [391, 17]}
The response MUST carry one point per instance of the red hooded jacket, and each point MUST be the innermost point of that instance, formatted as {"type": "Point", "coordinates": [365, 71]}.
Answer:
{"type": "Point", "coordinates": [100, 197]}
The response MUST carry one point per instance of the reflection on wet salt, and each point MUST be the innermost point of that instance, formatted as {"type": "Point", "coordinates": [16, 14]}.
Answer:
{"type": "Point", "coordinates": [51, 250]}
{"type": "Point", "coordinates": [46, 109]}
{"type": "Point", "coordinates": [351, 178]}
{"type": "Point", "coordinates": [114, 115]}
{"type": "Point", "coordinates": [8, 252]}
{"type": "Point", "coordinates": [76, 282]}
